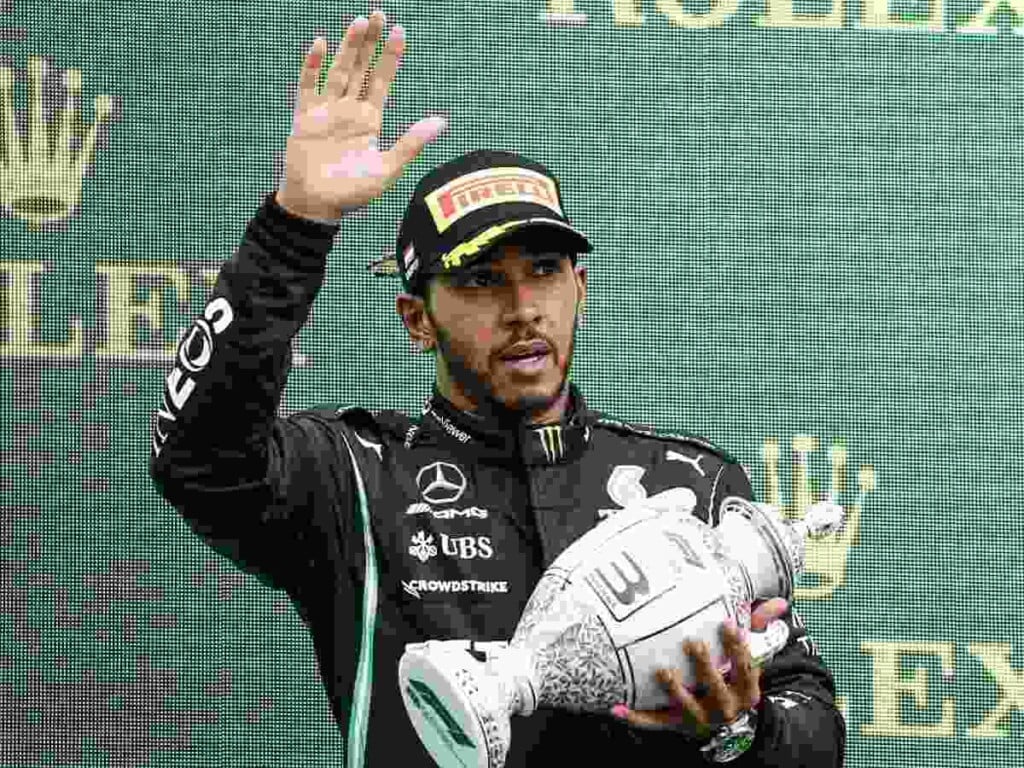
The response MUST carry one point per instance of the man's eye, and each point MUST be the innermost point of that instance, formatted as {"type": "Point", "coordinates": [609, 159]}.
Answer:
{"type": "Point", "coordinates": [480, 278]}
{"type": "Point", "coordinates": [547, 266]}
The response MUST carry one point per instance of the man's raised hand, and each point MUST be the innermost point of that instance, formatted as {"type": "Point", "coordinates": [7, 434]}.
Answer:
{"type": "Point", "coordinates": [333, 161]}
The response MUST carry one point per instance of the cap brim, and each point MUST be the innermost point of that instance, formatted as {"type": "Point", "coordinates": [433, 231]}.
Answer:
{"type": "Point", "coordinates": [566, 236]}
{"type": "Point", "coordinates": [566, 239]}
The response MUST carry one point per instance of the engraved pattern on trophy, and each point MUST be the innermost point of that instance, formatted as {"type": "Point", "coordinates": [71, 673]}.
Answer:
{"type": "Point", "coordinates": [546, 592]}
{"type": "Point", "coordinates": [740, 591]}
{"type": "Point", "coordinates": [496, 732]}
{"type": "Point", "coordinates": [580, 670]}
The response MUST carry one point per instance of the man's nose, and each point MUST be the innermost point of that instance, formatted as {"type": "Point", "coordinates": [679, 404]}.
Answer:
{"type": "Point", "coordinates": [521, 303]}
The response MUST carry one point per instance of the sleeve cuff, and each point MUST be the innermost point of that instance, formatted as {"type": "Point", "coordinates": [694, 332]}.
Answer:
{"type": "Point", "coordinates": [279, 212]}
{"type": "Point", "coordinates": [291, 240]}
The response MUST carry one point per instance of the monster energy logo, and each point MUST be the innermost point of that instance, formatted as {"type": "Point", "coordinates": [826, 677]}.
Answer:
{"type": "Point", "coordinates": [551, 441]}
{"type": "Point", "coordinates": [423, 697]}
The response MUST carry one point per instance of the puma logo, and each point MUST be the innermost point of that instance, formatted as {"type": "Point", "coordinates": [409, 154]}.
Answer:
{"type": "Point", "coordinates": [695, 463]}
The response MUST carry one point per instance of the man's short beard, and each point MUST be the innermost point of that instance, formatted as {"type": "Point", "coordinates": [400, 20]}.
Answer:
{"type": "Point", "coordinates": [481, 392]}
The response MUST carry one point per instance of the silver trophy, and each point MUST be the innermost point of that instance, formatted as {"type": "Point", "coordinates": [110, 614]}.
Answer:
{"type": "Point", "coordinates": [613, 608]}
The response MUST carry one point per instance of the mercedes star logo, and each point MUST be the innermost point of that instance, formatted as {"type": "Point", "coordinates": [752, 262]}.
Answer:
{"type": "Point", "coordinates": [441, 482]}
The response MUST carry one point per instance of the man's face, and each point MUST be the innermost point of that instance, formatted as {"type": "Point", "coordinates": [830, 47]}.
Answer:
{"type": "Point", "coordinates": [504, 327]}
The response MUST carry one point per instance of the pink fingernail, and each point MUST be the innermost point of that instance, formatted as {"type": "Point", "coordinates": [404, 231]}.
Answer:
{"type": "Point", "coordinates": [429, 128]}
{"type": "Point", "coordinates": [398, 32]}
{"type": "Point", "coordinates": [620, 711]}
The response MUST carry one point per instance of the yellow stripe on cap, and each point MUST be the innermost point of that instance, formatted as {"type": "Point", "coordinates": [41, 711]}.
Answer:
{"type": "Point", "coordinates": [475, 244]}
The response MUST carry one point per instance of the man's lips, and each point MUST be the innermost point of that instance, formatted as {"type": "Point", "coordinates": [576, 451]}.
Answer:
{"type": "Point", "coordinates": [525, 349]}
{"type": "Point", "coordinates": [526, 364]}
{"type": "Point", "coordinates": [526, 356]}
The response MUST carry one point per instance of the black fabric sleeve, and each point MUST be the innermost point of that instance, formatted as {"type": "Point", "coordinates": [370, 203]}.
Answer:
{"type": "Point", "coordinates": [245, 480]}
{"type": "Point", "coordinates": [799, 725]}
{"type": "Point", "coordinates": [731, 480]}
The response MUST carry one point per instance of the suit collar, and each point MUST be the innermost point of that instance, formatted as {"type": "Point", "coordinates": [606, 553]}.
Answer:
{"type": "Point", "coordinates": [503, 436]}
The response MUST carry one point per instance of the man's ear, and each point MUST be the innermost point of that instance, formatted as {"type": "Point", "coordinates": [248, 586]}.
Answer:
{"type": "Point", "coordinates": [413, 311]}
{"type": "Point", "coordinates": [580, 275]}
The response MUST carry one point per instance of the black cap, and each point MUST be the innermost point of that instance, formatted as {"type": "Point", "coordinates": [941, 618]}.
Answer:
{"type": "Point", "coordinates": [462, 208]}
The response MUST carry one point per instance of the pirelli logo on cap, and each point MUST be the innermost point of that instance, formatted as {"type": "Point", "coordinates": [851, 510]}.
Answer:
{"type": "Point", "coordinates": [465, 194]}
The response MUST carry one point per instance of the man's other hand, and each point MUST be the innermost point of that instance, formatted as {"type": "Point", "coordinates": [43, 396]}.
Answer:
{"type": "Point", "coordinates": [716, 698]}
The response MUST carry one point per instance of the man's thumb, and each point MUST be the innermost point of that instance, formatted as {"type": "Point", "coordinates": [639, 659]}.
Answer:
{"type": "Point", "coordinates": [413, 140]}
{"type": "Point", "coordinates": [767, 612]}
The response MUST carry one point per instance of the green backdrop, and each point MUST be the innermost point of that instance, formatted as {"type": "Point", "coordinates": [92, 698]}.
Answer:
{"type": "Point", "coordinates": [808, 220]}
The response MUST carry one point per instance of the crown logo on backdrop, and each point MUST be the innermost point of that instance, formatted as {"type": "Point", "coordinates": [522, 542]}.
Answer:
{"type": "Point", "coordinates": [41, 171]}
{"type": "Point", "coordinates": [825, 558]}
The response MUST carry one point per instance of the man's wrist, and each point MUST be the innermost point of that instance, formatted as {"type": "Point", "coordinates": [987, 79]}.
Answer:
{"type": "Point", "coordinates": [731, 740]}
{"type": "Point", "coordinates": [302, 212]}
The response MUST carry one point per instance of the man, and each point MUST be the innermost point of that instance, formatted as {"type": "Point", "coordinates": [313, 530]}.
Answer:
{"type": "Point", "coordinates": [386, 530]}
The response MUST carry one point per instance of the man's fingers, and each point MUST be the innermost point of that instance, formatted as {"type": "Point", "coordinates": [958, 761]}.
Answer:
{"type": "Point", "coordinates": [364, 55]}
{"type": "Point", "coordinates": [345, 57]}
{"type": "Point", "coordinates": [685, 701]}
{"type": "Point", "coordinates": [745, 678]}
{"type": "Point", "coordinates": [412, 142]}
{"type": "Point", "coordinates": [651, 718]}
{"type": "Point", "coordinates": [311, 71]}
{"type": "Point", "coordinates": [387, 67]}
{"type": "Point", "coordinates": [660, 719]}
{"type": "Point", "coordinates": [733, 641]}
{"type": "Point", "coordinates": [718, 691]}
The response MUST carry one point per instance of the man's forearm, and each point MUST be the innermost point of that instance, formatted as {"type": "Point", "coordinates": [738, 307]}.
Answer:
{"type": "Point", "coordinates": [221, 397]}
{"type": "Point", "coordinates": [796, 732]}
{"type": "Point", "coordinates": [799, 725]}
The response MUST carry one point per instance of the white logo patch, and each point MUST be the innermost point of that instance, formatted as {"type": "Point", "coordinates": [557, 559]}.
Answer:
{"type": "Point", "coordinates": [785, 701]}
{"type": "Point", "coordinates": [423, 546]}
{"type": "Point", "coordinates": [624, 488]}
{"type": "Point", "coordinates": [458, 547]}
{"type": "Point", "coordinates": [419, 508]}
{"type": "Point", "coordinates": [195, 351]}
{"type": "Point", "coordinates": [467, 547]}
{"type": "Point", "coordinates": [441, 483]}
{"type": "Point", "coordinates": [695, 463]}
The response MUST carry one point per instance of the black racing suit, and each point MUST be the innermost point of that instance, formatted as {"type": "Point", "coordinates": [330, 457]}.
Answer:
{"type": "Point", "coordinates": [459, 516]}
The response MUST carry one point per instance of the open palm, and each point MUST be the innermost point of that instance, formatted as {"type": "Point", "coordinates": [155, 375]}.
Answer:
{"type": "Point", "coordinates": [333, 161]}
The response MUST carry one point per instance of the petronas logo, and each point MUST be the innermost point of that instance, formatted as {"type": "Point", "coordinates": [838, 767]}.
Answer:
{"type": "Point", "coordinates": [42, 167]}
{"type": "Point", "coordinates": [437, 713]}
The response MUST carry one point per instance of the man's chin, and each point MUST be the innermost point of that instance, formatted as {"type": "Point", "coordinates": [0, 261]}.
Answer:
{"type": "Point", "coordinates": [528, 397]}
